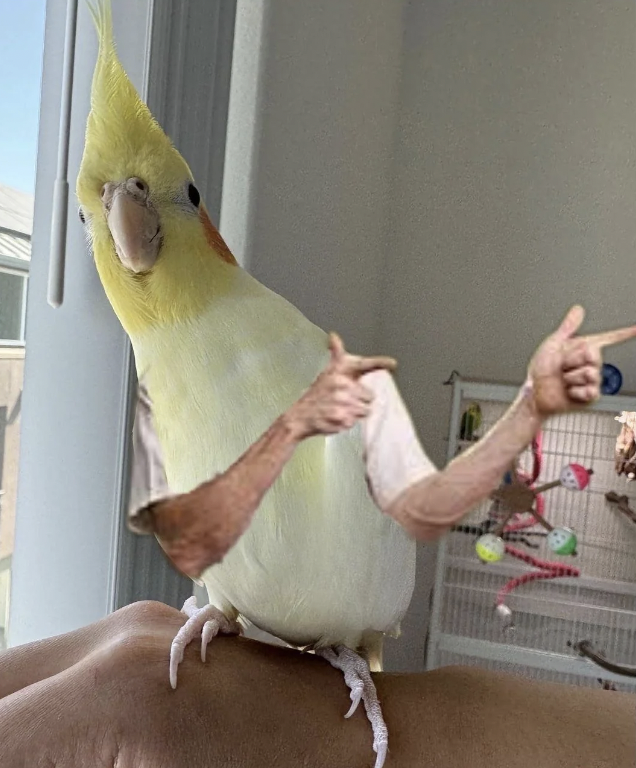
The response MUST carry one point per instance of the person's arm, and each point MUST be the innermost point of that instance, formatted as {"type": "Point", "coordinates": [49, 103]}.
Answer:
{"type": "Point", "coordinates": [563, 375]}
{"type": "Point", "coordinates": [197, 529]}
{"type": "Point", "coordinates": [430, 507]}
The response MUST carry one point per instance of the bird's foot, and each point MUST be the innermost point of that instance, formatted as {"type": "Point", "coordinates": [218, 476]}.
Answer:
{"type": "Point", "coordinates": [206, 622]}
{"type": "Point", "coordinates": [358, 677]}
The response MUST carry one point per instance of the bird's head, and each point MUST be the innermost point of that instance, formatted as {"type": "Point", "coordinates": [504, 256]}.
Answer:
{"type": "Point", "coordinates": [158, 255]}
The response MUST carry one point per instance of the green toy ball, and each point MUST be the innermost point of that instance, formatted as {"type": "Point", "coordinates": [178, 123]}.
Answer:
{"type": "Point", "coordinates": [490, 548]}
{"type": "Point", "coordinates": [562, 541]}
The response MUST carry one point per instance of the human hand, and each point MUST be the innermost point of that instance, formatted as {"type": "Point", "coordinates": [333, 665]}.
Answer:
{"type": "Point", "coordinates": [565, 371]}
{"type": "Point", "coordinates": [337, 399]}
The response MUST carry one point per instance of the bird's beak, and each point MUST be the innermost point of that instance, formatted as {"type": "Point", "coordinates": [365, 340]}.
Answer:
{"type": "Point", "coordinates": [133, 222]}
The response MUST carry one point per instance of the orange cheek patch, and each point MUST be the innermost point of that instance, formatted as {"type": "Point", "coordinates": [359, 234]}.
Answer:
{"type": "Point", "coordinates": [215, 240]}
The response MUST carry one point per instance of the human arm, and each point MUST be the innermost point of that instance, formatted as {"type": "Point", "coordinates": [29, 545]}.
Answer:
{"type": "Point", "coordinates": [564, 374]}
{"type": "Point", "coordinates": [197, 529]}
{"type": "Point", "coordinates": [429, 508]}
{"type": "Point", "coordinates": [98, 696]}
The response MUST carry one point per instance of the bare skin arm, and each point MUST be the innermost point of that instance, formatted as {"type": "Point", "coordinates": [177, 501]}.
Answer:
{"type": "Point", "coordinates": [197, 529]}
{"type": "Point", "coordinates": [255, 705]}
{"type": "Point", "coordinates": [563, 375]}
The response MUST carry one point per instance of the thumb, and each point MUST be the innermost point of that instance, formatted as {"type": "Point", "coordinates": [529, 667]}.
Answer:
{"type": "Point", "coordinates": [336, 347]}
{"type": "Point", "coordinates": [571, 322]}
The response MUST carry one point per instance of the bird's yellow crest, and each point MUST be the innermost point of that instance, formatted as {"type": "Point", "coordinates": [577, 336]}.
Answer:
{"type": "Point", "coordinates": [123, 139]}
{"type": "Point", "coordinates": [124, 143]}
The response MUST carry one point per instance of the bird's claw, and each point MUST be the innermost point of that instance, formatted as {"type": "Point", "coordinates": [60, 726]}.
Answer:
{"type": "Point", "coordinates": [206, 622]}
{"type": "Point", "coordinates": [381, 748]}
{"type": "Point", "coordinates": [356, 697]}
{"type": "Point", "coordinates": [358, 677]}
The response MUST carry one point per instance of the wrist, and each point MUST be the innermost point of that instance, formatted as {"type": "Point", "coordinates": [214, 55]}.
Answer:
{"type": "Point", "coordinates": [527, 403]}
{"type": "Point", "coordinates": [291, 426]}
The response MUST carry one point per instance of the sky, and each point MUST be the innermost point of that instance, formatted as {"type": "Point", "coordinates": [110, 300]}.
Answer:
{"type": "Point", "coordinates": [21, 48]}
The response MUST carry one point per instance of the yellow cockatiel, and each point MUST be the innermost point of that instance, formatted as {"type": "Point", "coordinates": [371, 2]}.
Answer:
{"type": "Point", "coordinates": [222, 356]}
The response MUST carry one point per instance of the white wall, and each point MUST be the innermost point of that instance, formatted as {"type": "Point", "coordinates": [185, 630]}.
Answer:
{"type": "Point", "coordinates": [310, 140]}
{"type": "Point", "coordinates": [439, 180]}
{"type": "Point", "coordinates": [514, 188]}
{"type": "Point", "coordinates": [514, 192]}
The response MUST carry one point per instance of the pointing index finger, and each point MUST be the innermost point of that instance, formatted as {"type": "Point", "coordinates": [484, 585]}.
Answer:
{"type": "Point", "coordinates": [357, 366]}
{"type": "Point", "coordinates": [608, 338]}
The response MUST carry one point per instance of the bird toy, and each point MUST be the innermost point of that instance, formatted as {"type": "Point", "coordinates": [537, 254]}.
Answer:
{"type": "Point", "coordinates": [518, 496]}
{"type": "Point", "coordinates": [622, 504]}
{"type": "Point", "coordinates": [546, 570]}
{"type": "Point", "coordinates": [518, 505]}
{"type": "Point", "coordinates": [611, 379]}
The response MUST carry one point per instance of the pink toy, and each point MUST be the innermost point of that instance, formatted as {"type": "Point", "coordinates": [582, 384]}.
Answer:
{"type": "Point", "coordinates": [548, 571]}
{"type": "Point", "coordinates": [575, 477]}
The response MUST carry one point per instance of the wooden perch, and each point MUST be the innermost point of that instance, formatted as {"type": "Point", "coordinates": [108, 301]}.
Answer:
{"type": "Point", "coordinates": [622, 502]}
{"type": "Point", "coordinates": [585, 648]}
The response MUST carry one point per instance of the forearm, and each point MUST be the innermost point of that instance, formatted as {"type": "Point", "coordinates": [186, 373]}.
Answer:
{"type": "Point", "coordinates": [242, 487]}
{"type": "Point", "coordinates": [431, 507]}
{"type": "Point", "coordinates": [197, 529]}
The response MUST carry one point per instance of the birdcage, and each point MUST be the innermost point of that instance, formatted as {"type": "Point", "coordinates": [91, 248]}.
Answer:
{"type": "Point", "coordinates": [548, 622]}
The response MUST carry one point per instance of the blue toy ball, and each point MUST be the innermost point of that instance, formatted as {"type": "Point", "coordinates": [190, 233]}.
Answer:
{"type": "Point", "coordinates": [612, 379]}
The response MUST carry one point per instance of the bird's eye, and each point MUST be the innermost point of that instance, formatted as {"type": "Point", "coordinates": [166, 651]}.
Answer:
{"type": "Point", "coordinates": [81, 216]}
{"type": "Point", "coordinates": [193, 195]}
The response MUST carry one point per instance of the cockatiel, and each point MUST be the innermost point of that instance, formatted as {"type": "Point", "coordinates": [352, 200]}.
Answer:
{"type": "Point", "coordinates": [321, 567]}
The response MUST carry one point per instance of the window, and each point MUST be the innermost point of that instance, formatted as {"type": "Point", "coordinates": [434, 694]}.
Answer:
{"type": "Point", "coordinates": [73, 560]}
{"type": "Point", "coordinates": [12, 303]}
{"type": "Point", "coordinates": [13, 292]}
{"type": "Point", "coordinates": [15, 247]}
{"type": "Point", "coordinates": [16, 210]}
{"type": "Point", "coordinates": [21, 44]}
{"type": "Point", "coordinates": [11, 375]}
{"type": "Point", "coordinates": [15, 257]}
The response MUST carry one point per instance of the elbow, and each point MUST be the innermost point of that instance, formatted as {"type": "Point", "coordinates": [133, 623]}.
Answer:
{"type": "Point", "coordinates": [193, 534]}
{"type": "Point", "coordinates": [430, 534]}
{"type": "Point", "coordinates": [427, 511]}
{"type": "Point", "coordinates": [426, 531]}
